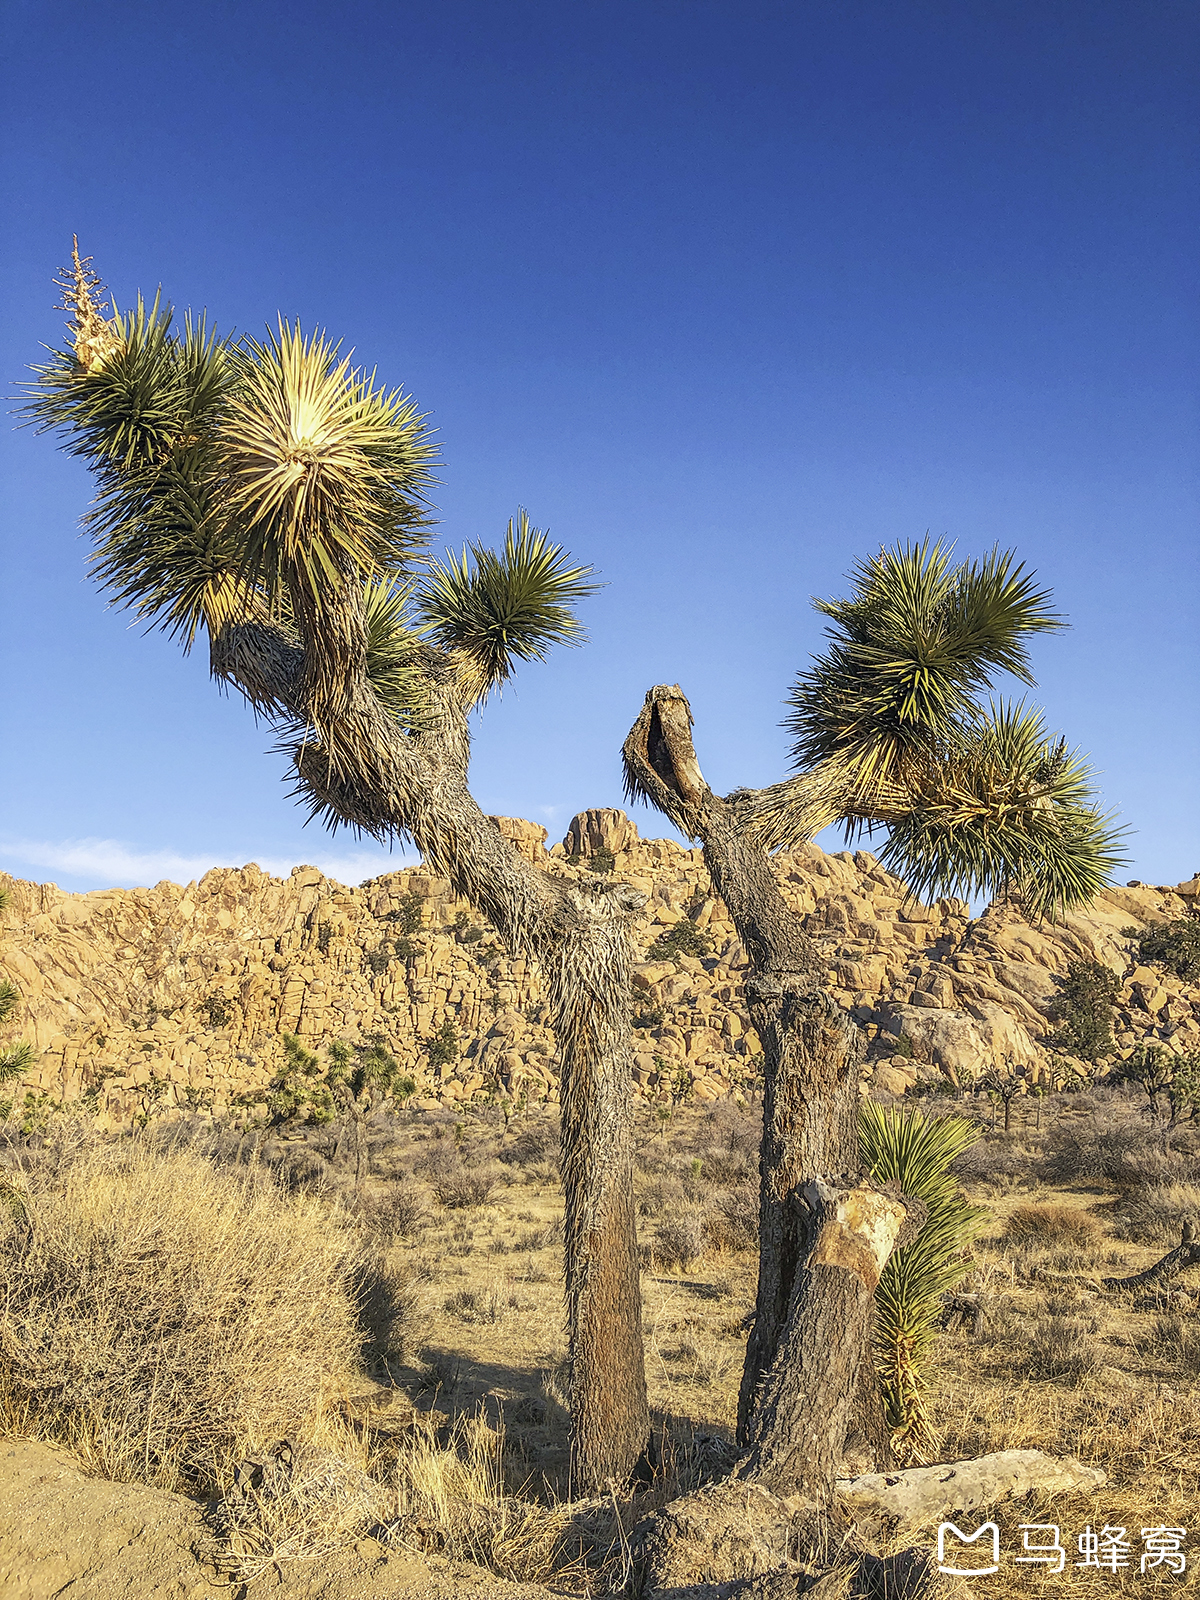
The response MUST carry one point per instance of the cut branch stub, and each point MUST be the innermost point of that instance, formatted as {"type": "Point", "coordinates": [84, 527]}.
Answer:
{"type": "Point", "coordinates": [797, 1429]}
{"type": "Point", "coordinates": [857, 1228]}
{"type": "Point", "coordinates": [660, 759]}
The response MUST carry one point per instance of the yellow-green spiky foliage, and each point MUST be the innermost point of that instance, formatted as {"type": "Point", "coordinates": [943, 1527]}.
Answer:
{"type": "Point", "coordinates": [258, 480]}
{"type": "Point", "coordinates": [915, 1152]}
{"type": "Point", "coordinates": [14, 1058]}
{"type": "Point", "coordinates": [892, 732]}
{"type": "Point", "coordinates": [493, 609]}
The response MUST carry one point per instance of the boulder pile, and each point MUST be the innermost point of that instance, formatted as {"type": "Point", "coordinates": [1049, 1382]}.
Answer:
{"type": "Point", "coordinates": [145, 999]}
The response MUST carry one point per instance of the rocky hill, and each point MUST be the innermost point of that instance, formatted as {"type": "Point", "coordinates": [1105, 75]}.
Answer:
{"type": "Point", "coordinates": [145, 999]}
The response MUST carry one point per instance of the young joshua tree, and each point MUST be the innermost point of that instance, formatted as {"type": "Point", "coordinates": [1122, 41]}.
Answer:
{"type": "Point", "coordinates": [891, 733]}
{"type": "Point", "coordinates": [270, 497]}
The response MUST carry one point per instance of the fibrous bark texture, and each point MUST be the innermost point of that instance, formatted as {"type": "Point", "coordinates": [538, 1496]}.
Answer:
{"type": "Point", "coordinates": [797, 1430]}
{"type": "Point", "coordinates": [810, 1099]}
{"type": "Point", "coordinates": [360, 767]}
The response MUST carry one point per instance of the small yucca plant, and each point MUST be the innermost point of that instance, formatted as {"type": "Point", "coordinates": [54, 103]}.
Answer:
{"type": "Point", "coordinates": [915, 1152]}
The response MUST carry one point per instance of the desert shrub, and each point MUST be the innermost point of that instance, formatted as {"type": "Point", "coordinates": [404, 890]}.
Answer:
{"type": "Point", "coordinates": [660, 1196]}
{"type": "Point", "coordinates": [471, 1305]}
{"type": "Point", "coordinates": [1116, 1150]}
{"type": "Point", "coordinates": [443, 1047]}
{"type": "Point", "coordinates": [1083, 1010]}
{"type": "Point", "coordinates": [1181, 1339]}
{"type": "Point", "coordinates": [166, 1317]}
{"type": "Point", "coordinates": [651, 1017]}
{"type": "Point", "coordinates": [1157, 1213]}
{"type": "Point", "coordinates": [453, 1500]}
{"type": "Point", "coordinates": [601, 861]}
{"type": "Point", "coordinates": [410, 913]}
{"type": "Point", "coordinates": [389, 1306]}
{"type": "Point", "coordinates": [996, 1162]}
{"type": "Point", "coordinates": [733, 1223]}
{"type": "Point", "coordinates": [1052, 1224]}
{"type": "Point", "coordinates": [458, 1187]}
{"type": "Point", "coordinates": [682, 1241]}
{"type": "Point", "coordinates": [534, 1144]}
{"type": "Point", "coordinates": [1174, 945]}
{"type": "Point", "coordinates": [683, 938]}
{"type": "Point", "coordinates": [1061, 1347]}
{"type": "Point", "coordinates": [397, 1212]}
{"type": "Point", "coordinates": [217, 1009]}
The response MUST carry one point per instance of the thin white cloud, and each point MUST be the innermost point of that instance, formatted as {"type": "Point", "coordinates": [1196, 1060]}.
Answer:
{"type": "Point", "coordinates": [110, 863]}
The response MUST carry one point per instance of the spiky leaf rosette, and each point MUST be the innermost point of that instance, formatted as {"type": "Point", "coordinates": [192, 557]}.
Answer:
{"type": "Point", "coordinates": [325, 472]}
{"type": "Point", "coordinates": [494, 609]}
{"type": "Point", "coordinates": [910, 651]}
{"type": "Point", "coordinates": [1004, 808]}
{"type": "Point", "coordinates": [915, 1152]}
{"type": "Point", "coordinates": [891, 733]}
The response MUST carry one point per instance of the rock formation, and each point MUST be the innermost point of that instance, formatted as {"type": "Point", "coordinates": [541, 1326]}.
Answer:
{"type": "Point", "coordinates": [139, 1000]}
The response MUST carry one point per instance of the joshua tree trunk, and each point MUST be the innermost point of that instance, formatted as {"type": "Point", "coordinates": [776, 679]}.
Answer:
{"type": "Point", "coordinates": [359, 766]}
{"type": "Point", "coordinates": [806, 1356]}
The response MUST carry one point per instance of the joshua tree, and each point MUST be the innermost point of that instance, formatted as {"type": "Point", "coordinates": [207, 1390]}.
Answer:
{"type": "Point", "coordinates": [271, 497]}
{"type": "Point", "coordinates": [890, 733]}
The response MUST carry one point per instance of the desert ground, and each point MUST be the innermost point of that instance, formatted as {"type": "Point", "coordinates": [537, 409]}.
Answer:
{"type": "Point", "coordinates": [417, 1368]}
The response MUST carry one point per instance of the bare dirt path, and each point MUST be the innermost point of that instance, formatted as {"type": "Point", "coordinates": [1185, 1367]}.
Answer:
{"type": "Point", "coordinates": [65, 1534]}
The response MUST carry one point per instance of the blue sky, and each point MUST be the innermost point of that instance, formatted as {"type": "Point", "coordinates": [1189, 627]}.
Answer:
{"type": "Point", "coordinates": [725, 294]}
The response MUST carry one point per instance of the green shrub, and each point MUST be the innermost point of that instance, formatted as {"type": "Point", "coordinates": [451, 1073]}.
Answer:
{"type": "Point", "coordinates": [443, 1047]}
{"type": "Point", "coordinates": [601, 861]}
{"type": "Point", "coordinates": [1174, 945]}
{"type": "Point", "coordinates": [1083, 1010]}
{"type": "Point", "coordinates": [683, 939]}
{"type": "Point", "coordinates": [915, 1152]}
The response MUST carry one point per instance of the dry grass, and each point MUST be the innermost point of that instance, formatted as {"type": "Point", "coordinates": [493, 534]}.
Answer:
{"type": "Point", "coordinates": [1052, 1224]}
{"type": "Point", "coordinates": [164, 1318]}
{"type": "Point", "coordinates": [460, 1314]}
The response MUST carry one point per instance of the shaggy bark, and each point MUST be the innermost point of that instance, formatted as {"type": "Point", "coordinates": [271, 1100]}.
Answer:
{"type": "Point", "coordinates": [811, 1054]}
{"type": "Point", "coordinates": [358, 766]}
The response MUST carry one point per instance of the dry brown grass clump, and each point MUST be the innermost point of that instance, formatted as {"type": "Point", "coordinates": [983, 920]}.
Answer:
{"type": "Point", "coordinates": [164, 1318]}
{"type": "Point", "coordinates": [1052, 1224]}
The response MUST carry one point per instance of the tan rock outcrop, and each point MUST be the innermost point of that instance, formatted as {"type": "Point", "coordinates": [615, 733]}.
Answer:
{"type": "Point", "coordinates": [145, 999]}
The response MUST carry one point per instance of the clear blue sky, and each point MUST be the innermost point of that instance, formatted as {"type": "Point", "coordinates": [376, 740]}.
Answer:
{"type": "Point", "coordinates": [726, 293]}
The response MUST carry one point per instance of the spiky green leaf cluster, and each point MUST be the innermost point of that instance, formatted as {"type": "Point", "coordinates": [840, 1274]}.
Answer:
{"type": "Point", "coordinates": [891, 731]}
{"type": "Point", "coordinates": [915, 1152]}
{"type": "Point", "coordinates": [497, 608]}
{"type": "Point", "coordinates": [1003, 807]}
{"type": "Point", "coordinates": [256, 480]}
{"type": "Point", "coordinates": [15, 1059]}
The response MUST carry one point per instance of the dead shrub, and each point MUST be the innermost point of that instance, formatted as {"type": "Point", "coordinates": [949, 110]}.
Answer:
{"type": "Point", "coordinates": [459, 1187]}
{"type": "Point", "coordinates": [1181, 1339]}
{"type": "Point", "coordinates": [165, 1318]}
{"type": "Point", "coordinates": [681, 1242]}
{"type": "Point", "coordinates": [1157, 1214]}
{"type": "Point", "coordinates": [389, 1303]}
{"type": "Point", "coordinates": [1061, 1347]}
{"type": "Point", "coordinates": [733, 1223]}
{"type": "Point", "coordinates": [397, 1212]}
{"type": "Point", "coordinates": [1052, 1225]}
